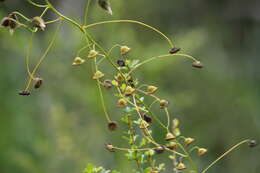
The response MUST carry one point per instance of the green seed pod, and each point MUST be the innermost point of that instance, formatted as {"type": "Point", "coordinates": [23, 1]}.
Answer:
{"type": "Point", "coordinates": [105, 4]}
{"type": "Point", "coordinates": [197, 64]}
{"type": "Point", "coordinates": [181, 166]}
{"type": "Point", "coordinates": [39, 23]}
{"type": "Point", "coordinates": [110, 147]}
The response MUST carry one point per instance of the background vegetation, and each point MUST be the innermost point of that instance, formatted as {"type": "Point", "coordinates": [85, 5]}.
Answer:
{"type": "Point", "coordinates": [61, 127]}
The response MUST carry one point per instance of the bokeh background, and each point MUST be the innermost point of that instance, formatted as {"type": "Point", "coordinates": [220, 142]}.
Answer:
{"type": "Point", "coordinates": [61, 127]}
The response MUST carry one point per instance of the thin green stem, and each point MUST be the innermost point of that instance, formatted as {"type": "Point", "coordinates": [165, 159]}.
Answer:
{"type": "Point", "coordinates": [86, 12]}
{"type": "Point", "coordinates": [28, 57]}
{"type": "Point", "coordinates": [224, 154]}
{"type": "Point", "coordinates": [133, 21]}
{"type": "Point", "coordinates": [21, 15]}
{"type": "Point", "coordinates": [53, 21]}
{"type": "Point", "coordinates": [37, 5]}
{"type": "Point", "coordinates": [44, 12]}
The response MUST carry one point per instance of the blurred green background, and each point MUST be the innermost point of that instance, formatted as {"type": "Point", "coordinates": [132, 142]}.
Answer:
{"type": "Point", "coordinates": [61, 127]}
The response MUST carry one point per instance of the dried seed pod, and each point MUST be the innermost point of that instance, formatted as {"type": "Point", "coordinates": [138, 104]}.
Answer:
{"type": "Point", "coordinates": [252, 143]}
{"type": "Point", "coordinates": [129, 91]}
{"type": "Point", "coordinates": [172, 145]}
{"type": "Point", "coordinates": [121, 103]}
{"type": "Point", "coordinates": [5, 22]}
{"type": "Point", "coordinates": [13, 24]}
{"type": "Point", "coordinates": [181, 166]}
{"type": "Point", "coordinates": [107, 84]}
{"type": "Point", "coordinates": [174, 50]}
{"type": "Point", "coordinates": [38, 82]}
{"type": "Point", "coordinates": [147, 118]}
{"type": "Point", "coordinates": [151, 89]}
{"type": "Point", "coordinates": [159, 150]}
{"type": "Point", "coordinates": [124, 50]}
{"type": "Point", "coordinates": [92, 54]}
{"type": "Point", "coordinates": [163, 104]}
{"type": "Point", "coordinates": [202, 151]}
{"type": "Point", "coordinates": [78, 61]}
{"type": "Point", "coordinates": [121, 62]}
{"type": "Point", "coordinates": [105, 4]}
{"type": "Point", "coordinates": [39, 22]}
{"type": "Point", "coordinates": [169, 136]}
{"type": "Point", "coordinates": [189, 141]}
{"type": "Point", "coordinates": [112, 125]}
{"type": "Point", "coordinates": [24, 93]}
{"type": "Point", "coordinates": [98, 75]}
{"type": "Point", "coordinates": [110, 148]}
{"type": "Point", "coordinates": [197, 64]}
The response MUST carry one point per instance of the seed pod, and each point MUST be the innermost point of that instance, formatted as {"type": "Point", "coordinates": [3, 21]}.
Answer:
{"type": "Point", "coordinates": [151, 89]}
{"type": "Point", "coordinates": [38, 82]}
{"type": "Point", "coordinates": [112, 125]}
{"type": "Point", "coordinates": [39, 22]}
{"type": "Point", "coordinates": [24, 93]}
{"type": "Point", "coordinates": [110, 148]}
{"type": "Point", "coordinates": [174, 50]}
{"type": "Point", "coordinates": [181, 166]}
{"type": "Point", "coordinates": [202, 151]}
{"type": "Point", "coordinates": [172, 145]}
{"type": "Point", "coordinates": [169, 136]}
{"type": "Point", "coordinates": [124, 50]}
{"type": "Point", "coordinates": [5, 22]}
{"type": "Point", "coordinates": [147, 118]}
{"type": "Point", "coordinates": [92, 54]}
{"type": "Point", "coordinates": [121, 62]}
{"type": "Point", "coordinates": [105, 4]}
{"type": "Point", "coordinates": [159, 150]}
{"type": "Point", "coordinates": [107, 84]}
{"type": "Point", "coordinates": [98, 75]}
{"type": "Point", "coordinates": [13, 24]}
{"type": "Point", "coordinates": [129, 91]}
{"type": "Point", "coordinates": [189, 141]}
{"type": "Point", "coordinates": [163, 104]}
{"type": "Point", "coordinates": [252, 143]}
{"type": "Point", "coordinates": [78, 61]}
{"type": "Point", "coordinates": [197, 64]}
{"type": "Point", "coordinates": [121, 103]}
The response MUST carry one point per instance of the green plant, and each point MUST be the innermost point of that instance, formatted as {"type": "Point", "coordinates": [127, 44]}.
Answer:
{"type": "Point", "coordinates": [132, 95]}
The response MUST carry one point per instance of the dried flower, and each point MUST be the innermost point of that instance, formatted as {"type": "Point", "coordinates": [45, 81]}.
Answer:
{"type": "Point", "coordinates": [121, 103]}
{"type": "Point", "coordinates": [38, 82]}
{"type": "Point", "coordinates": [98, 75]}
{"type": "Point", "coordinates": [151, 89]}
{"type": "Point", "coordinates": [124, 50]}
{"type": "Point", "coordinates": [147, 118]}
{"type": "Point", "coordinates": [174, 50]}
{"type": "Point", "coordinates": [252, 143]}
{"type": "Point", "coordinates": [163, 103]}
{"type": "Point", "coordinates": [107, 84]}
{"type": "Point", "coordinates": [24, 93]}
{"type": "Point", "coordinates": [202, 151]}
{"type": "Point", "coordinates": [5, 22]}
{"type": "Point", "coordinates": [129, 91]}
{"type": "Point", "coordinates": [197, 64]}
{"type": "Point", "coordinates": [169, 136]}
{"type": "Point", "coordinates": [121, 62]}
{"type": "Point", "coordinates": [110, 147]}
{"type": "Point", "coordinates": [39, 22]}
{"type": "Point", "coordinates": [78, 61]}
{"type": "Point", "coordinates": [189, 141]}
{"type": "Point", "coordinates": [105, 4]}
{"type": "Point", "coordinates": [181, 166]}
{"type": "Point", "coordinates": [92, 54]}
{"type": "Point", "coordinates": [159, 149]}
{"type": "Point", "coordinates": [112, 125]}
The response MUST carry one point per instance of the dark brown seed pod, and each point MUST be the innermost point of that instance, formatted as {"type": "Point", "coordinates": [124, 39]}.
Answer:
{"type": "Point", "coordinates": [174, 50]}
{"type": "Point", "coordinates": [105, 4]}
{"type": "Point", "coordinates": [121, 62]}
{"type": "Point", "coordinates": [252, 143]}
{"type": "Point", "coordinates": [197, 64]}
{"type": "Point", "coordinates": [112, 125]}
{"type": "Point", "coordinates": [159, 150]}
{"type": "Point", "coordinates": [13, 24]}
{"type": "Point", "coordinates": [5, 22]}
{"type": "Point", "coordinates": [38, 82]}
{"type": "Point", "coordinates": [107, 84]}
{"type": "Point", "coordinates": [147, 119]}
{"type": "Point", "coordinates": [24, 93]}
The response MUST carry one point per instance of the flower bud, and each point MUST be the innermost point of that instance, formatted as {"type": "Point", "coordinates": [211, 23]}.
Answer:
{"type": "Point", "coordinates": [189, 141]}
{"type": "Point", "coordinates": [78, 61]}
{"type": "Point", "coordinates": [129, 91]}
{"type": "Point", "coordinates": [121, 103]}
{"type": "Point", "coordinates": [174, 50]}
{"type": "Point", "coordinates": [121, 62]}
{"type": "Point", "coordinates": [98, 75]}
{"type": "Point", "coordinates": [112, 125]}
{"type": "Point", "coordinates": [124, 50]}
{"type": "Point", "coordinates": [39, 22]}
{"type": "Point", "coordinates": [105, 4]}
{"type": "Point", "coordinates": [151, 89]}
{"type": "Point", "coordinates": [92, 54]}
{"type": "Point", "coordinates": [181, 166]}
{"type": "Point", "coordinates": [107, 84]}
{"type": "Point", "coordinates": [24, 93]}
{"type": "Point", "coordinates": [159, 150]}
{"type": "Point", "coordinates": [110, 147]}
{"type": "Point", "coordinates": [197, 64]}
{"type": "Point", "coordinates": [38, 82]}
{"type": "Point", "coordinates": [252, 143]}
{"type": "Point", "coordinates": [169, 136]}
{"type": "Point", "coordinates": [202, 151]}
{"type": "Point", "coordinates": [163, 103]}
